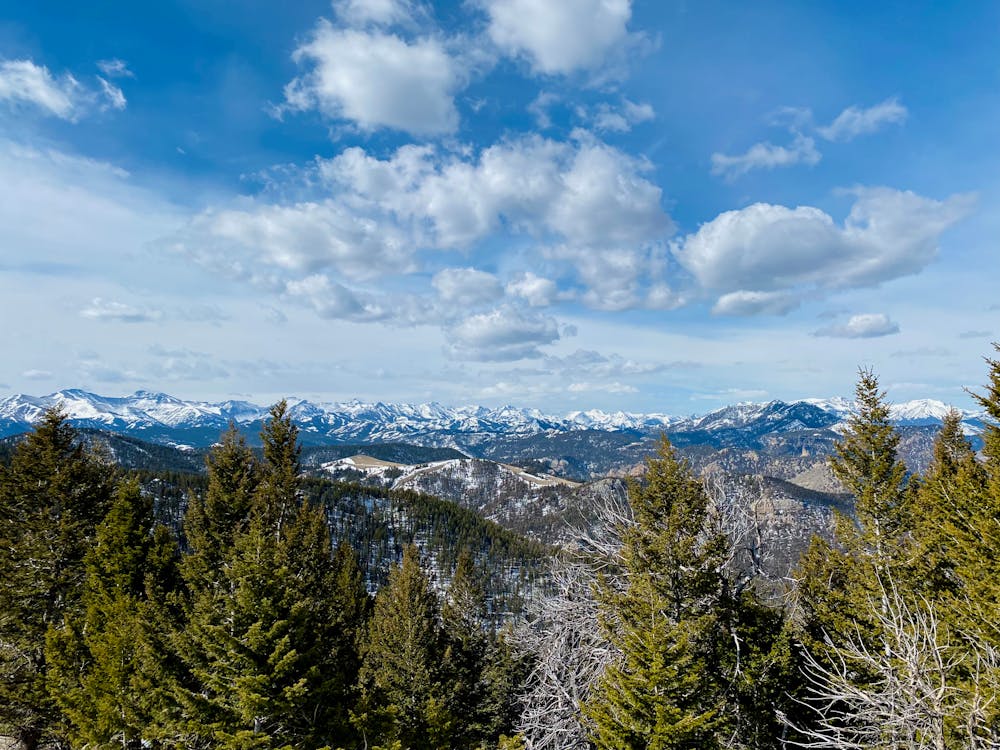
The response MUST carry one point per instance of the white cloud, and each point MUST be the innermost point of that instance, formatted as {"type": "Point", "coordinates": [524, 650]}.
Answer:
{"type": "Point", "coordinates": [621, 119]}
{"type": "Point", "coordinates": [115, 68]}
{"type": "Point", "coordinates": [329, 299]}
{"type": "Point", "coordinates": [36, 375]}
{"type": "Point", "coordinates": [376, 79]}
{"type": "Point", "coordinates": [586, 193]}
{"type": "Point", "coordinates": [869, 325]}
{"type": "Point", "coordinates": [467, 287]}
{"type": "Point", "coordinates": [766, 156]}
{"type": "Point", "coordinates": [755, 303]}
{"type": "Point", "coordinates": [303, 238]}
{"type": "Point", "coordinates": [113, 94]}
{"type": "Point", "coordinates": [539, 108]}
{"type": "Point", "coordinates": [613, 277]}
{"type": "Point", "coordinates": [24, 82]}
{"type": "Point", "coordinates": [615, 387]}
{"type": "Point", "coordinates": [590, 363]}
{"type": "Point", "coordinates": [535, 290]}
{"type": "Point", "coordinates": [119, 312]}
{"type": "Point", "coordinates": [501, 335]}
{"type": "Point", "coordinates": [378, 12]}
{"type": "Point", "coordinates": [855, 121]}
{"type": "Point", "coordinates": [768, 248]}
{"type": "Point", "coordinates": [559, 36]}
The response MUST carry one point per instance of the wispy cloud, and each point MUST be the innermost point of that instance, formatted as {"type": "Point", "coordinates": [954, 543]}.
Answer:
{"type": "Point", "coordinates": [855, 121]}
{"type": "Point", "coordinates": [865, 326]}
{"type": "Point", "coordinates": [118, 312]}
{"type": "Point", "coordinates": [766, 155]}
{"type": "Point", "coordinates": [23, 82]}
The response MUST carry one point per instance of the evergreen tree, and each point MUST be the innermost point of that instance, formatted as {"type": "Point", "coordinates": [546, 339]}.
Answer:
{"type": "Point", "coordinates": [349, 609]}
{"type": "Point", "coordinates": [866, 463]}
{"type": "Point", "coordinates": [104, 663]}
{"type": "Point", "coordinates": [214, 518]}
{"type": "Point", "coordinates": [839, 581]}
{"type": "Point", "coordinates": [51, 498]}
{"type": "Point", "coordinates": [279, 492]}
{"type": "Point", "coordinates": [958, 530]}
{"type": "Point", "coordinates": [467, 649]}
{"type": "Point", "coordinates": [262, 645]}
{"type": "Point", "coordinates": [672, 623]}
{"type": "Point", "coordinates": [403, 698]}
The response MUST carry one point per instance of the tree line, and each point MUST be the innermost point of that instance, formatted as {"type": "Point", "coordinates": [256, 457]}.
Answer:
{"type": "Point", "coordinates": [255, 632]}
{"type": "Point", "coordinates": [658, 628]}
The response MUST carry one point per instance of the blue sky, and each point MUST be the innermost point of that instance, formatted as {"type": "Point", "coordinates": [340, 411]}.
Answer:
{"type": "Point", "coordinates": [648, 206]}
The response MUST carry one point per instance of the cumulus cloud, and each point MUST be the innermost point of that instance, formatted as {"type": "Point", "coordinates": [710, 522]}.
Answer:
{"type": "Point", "coordinates": [501, 335]}
{"type": "Point", "coordinates": [22, 82]}
{"type": "Point", "coordinates": [766, 156]}
{"type": "Point", "coordinates": [558, 37]}
{"type": "Point", "coordinates": [855, 121]}
{"type": "Point", "coordinates": [535, 290]}
{"type": "Point", "coordinates": [119, 312]}
{"type": "Point", "coordinates": [302, 238]}
{"type": "Point", "coordinates": [376, 79]}
{"type": "Point", "coordinates": [767, 248]}
{"type": "Point", "coordinates": [868, 325]}
{"type": "Point", "coordinates": [467, 287]}
{"type": "Point", "coordinates": [613, 277]}
{"type": "Point", "coordinates": [584, 192]}
{"type": "Point", "coordinates": [583, 205]}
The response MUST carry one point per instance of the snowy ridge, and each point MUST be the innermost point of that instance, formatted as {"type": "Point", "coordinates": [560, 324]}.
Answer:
{"type": "Point", "coordinates": [161, 417]}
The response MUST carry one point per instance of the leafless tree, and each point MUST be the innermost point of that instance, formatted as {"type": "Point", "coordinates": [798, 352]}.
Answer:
{"type": "Point", "coordinates": [563, 631]}
{"type": "Point", "coordinates": [910, 687]}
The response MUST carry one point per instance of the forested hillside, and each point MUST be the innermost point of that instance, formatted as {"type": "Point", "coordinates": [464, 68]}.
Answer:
{"type": "Point", "coordinates": [257, 607]}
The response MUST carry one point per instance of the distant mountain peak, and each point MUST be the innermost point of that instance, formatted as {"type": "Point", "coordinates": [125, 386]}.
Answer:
{"type": "Point", "coordinates": [165, 418]}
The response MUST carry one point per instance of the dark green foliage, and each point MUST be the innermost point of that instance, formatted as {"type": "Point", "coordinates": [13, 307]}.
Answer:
{"type": "Point", "coordinates": [667, 690]}
{"type": "Point", "coordinates": [215, 517]}
{"type": "Point", "coordinates": [866, 463]}
{"type": "Point", "coordinates": [262, 644]}
{"type": "Point", "coordinates": [990, 401]}
{"type": "Point", "coordinates": [403, 677]}
{"type": "Point", "coordinates": [52, 496]}
{"type": "Point", "coordinates": [700, 662]}
{"type": "Point", "coordinates": [105, 669]}
{"type": "Point", "coordinates": [839, 580]}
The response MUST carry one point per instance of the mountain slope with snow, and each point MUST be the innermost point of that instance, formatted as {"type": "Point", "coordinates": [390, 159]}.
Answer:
{"type": "Point", "coordinates": [163, 418]}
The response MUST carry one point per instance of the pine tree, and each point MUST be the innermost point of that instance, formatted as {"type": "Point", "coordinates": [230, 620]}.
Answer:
{"type": "Point", "coordinates": [959, 531]}
{"type": "Point", "coordinates": [838, 581]}
{"type": "Point", "coordinates": [214, 519]}
{"type": "Point", "coordinates": [467, 648]}
{"type": "Point", "coordinates": [671, 624]}
{"type": "Point", "coordinates": [866, 463]}
{"type": "Point", "coordinates": [402, 694]}
{"type": "Point", "coordinates": [104, 662]}
{"type": "Point", "coordinates": [51, 498]}
{"type": "Point", "coordinates": [279, 492]}
{"type": "Point", "coordinates": [262, 645]}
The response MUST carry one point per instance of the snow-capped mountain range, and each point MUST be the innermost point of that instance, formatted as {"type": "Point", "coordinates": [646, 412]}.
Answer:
{"type": "Point", "coordinates": [166, 419]}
